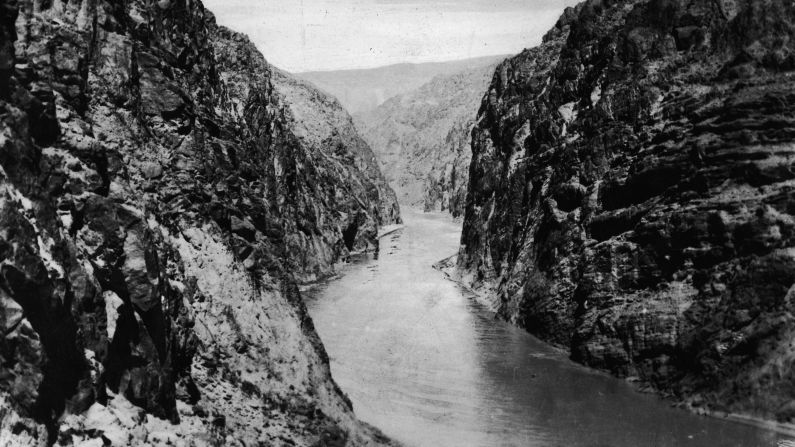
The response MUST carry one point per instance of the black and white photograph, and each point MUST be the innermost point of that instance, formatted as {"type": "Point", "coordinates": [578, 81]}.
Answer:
{"type": "Point", "coordinates": [397, 223]}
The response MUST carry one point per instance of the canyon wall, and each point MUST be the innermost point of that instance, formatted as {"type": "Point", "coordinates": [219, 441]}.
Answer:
{"type": "Point", "coordinates": [422, 138]}
{"type": "Point", "coordinates": [343, 197]}
{"type": "Point", "coordinates": [631, 196]}
{"type": "Point", "coordinates": [156, 206]}
{"type": "Point", "coordinates": [445, 184]}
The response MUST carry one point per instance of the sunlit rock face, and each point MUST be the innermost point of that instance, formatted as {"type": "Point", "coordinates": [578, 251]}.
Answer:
{"type": "Point", "coordinates": [155, 208]}
{"type": "Point", "coordinates": [422, 138]}
{"type": "Point", "coordinates": [631, 196]}
{"type": "Point", "coordinates": [445, 185]}
{"type": "Point", "coordinates": [345, 193]}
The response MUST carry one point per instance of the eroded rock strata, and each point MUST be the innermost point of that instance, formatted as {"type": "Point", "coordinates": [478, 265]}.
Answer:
{"type": "Point", "coordinates": [155, 208]}
{"type": "Point", "coordinates": [422, 138]}
{"type": "Point", "coordinates": [631, 196]}
{"type": "Point", "coordinates": [349, 198]}
{"type": "Point", "coordinates": [445, 185]}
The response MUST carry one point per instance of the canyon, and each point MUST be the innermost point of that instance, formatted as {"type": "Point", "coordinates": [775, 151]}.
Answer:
{"type": "Point", "coordinates": [421, 138]}
{"type": "Point", "coordinates": [162, 190]}
{"type": "Point", "coordinates": [176, 214]}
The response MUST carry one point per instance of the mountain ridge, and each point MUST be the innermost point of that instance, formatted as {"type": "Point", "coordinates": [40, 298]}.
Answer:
{"type": "Point", "coordinates": [360, 90]}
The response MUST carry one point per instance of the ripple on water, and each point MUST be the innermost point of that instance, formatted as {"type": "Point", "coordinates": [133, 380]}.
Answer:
{"type": "Point", "coordinates": [428, 365]}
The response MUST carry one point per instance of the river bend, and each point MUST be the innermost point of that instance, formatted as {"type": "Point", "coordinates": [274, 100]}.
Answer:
{"type": "Point", "coordinates": [423, 361]}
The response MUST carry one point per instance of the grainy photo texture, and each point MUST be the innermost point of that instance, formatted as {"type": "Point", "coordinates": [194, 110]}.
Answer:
{"type": "Point", "coordinates": [316, 223]}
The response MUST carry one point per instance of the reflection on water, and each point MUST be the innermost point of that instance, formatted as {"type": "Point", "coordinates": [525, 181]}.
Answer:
{"type": "Point", "coordinates": [424, 362]}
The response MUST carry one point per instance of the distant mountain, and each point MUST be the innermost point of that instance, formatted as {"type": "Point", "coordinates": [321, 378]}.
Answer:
{"type": "Point", "coordinates": [366, 89]}
{"type": "Point", "coordinates": [421, 138]}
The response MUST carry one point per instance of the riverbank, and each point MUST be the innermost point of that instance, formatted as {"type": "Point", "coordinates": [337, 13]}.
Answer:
{"type": "Point", "coordinates": [485, 295]}
{"type": "Point", "coordinates": [425, 361]}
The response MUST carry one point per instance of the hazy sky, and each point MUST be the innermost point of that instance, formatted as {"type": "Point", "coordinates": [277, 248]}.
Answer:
{"type": "Point", "coordinates": [305, 35]}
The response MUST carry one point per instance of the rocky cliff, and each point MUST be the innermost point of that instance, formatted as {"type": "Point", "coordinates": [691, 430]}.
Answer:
{"type": "Point", "coordinates": [445, 185]}
{"type": "Point", "coordinates": [632, 198]}
{"type": "Point", "coordinates": [344, 197]}
{"type": "Point", "coordinates": [155, 206]}
{"type": "Point", "coordinates": [421, 138]}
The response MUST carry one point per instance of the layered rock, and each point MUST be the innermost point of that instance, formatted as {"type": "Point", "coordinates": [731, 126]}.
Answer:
{"type": "Point", "coordinates": [445, 185]}
{"type": "Point", "coordinates": [155, 205]}
{"type": "Point", "coordinates": [350, 198]}
{"type": "Point", "coordinates": [421, 138]}
{"type": "Point", "coordinates": [631, 196]}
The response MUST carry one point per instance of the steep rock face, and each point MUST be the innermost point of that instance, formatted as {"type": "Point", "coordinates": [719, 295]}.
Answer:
{"type": "Point", "coordinates": [421, 138]}
{"type": "Point", "coordinates": [631, 196]}
{"type": "Point", "coordinates": [351, 197]}
{"type": "Point", "coordinates": [149, 179]}
{"type": "Point", "coordinates": [445, 186]}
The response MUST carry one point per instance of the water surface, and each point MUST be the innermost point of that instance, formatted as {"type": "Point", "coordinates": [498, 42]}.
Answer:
{"type": "Point", "coordinates": [424, 362]}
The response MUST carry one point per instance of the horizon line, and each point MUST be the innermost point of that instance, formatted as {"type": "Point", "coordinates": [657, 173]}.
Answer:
{"type": "Point", "coordinates": [375, 67]}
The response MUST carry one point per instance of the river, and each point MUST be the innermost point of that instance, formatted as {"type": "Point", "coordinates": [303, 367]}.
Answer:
{"type": "Point", "coordinates": [428, 365]}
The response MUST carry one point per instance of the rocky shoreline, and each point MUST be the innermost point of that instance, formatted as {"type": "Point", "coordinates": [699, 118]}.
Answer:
{"type": "Point", "coordinates": [484, 296]}
{"type": "Point", "coordinates": [630, 197]}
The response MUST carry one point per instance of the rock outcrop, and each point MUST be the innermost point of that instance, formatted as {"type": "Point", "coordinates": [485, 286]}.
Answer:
{"type": "Point", "coordinates": [349, 198]}
{"type": "Point", "coordinates": [631, 196]}
{"type": "Point", "coordinates": [155, 206]}
{"type": "Point", "coordinates": [422, 138]}
{"type": "Point", "coordinates": [445, 185]}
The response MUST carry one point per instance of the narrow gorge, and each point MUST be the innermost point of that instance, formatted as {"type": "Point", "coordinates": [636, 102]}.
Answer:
{"type": "Point", "coordinates": [422, 137]}
{"type": "Point", "coordinates": [596, 245]}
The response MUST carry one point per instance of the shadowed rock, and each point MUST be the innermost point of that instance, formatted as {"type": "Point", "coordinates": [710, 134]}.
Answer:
{"type": "Point", "coordinates": [422, 139]}
{"type": "Point", "coordinates": [630, 196]}
{"type": "Point", "coordinates": [149, 183]}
